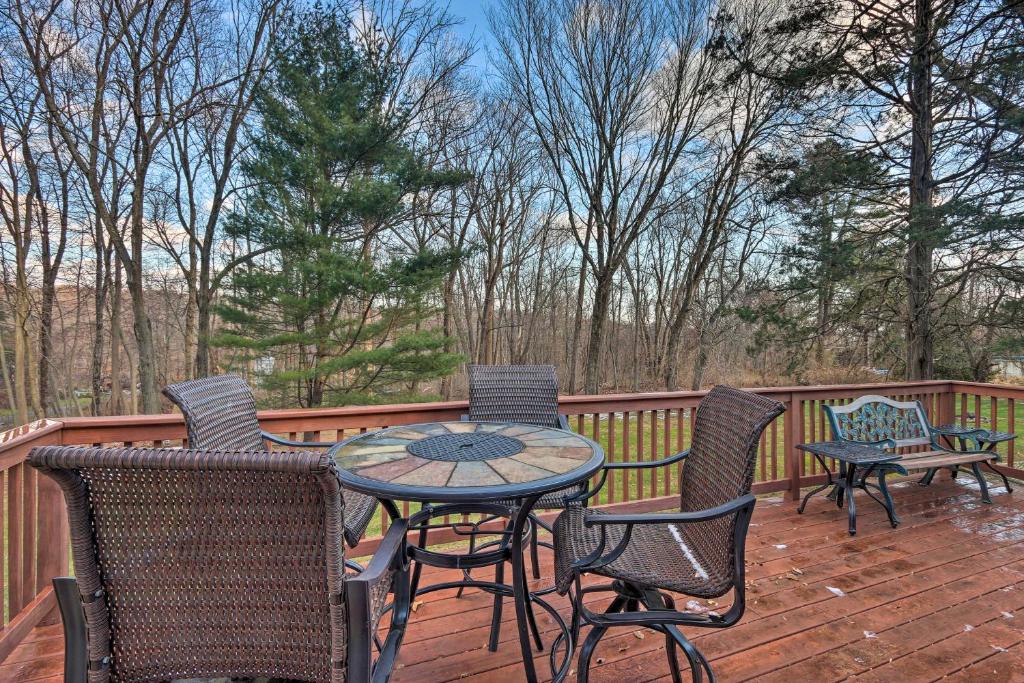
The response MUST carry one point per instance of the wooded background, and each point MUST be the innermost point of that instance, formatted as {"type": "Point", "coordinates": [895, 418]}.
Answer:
{"type": "Point", "coordinates": [346, 201]}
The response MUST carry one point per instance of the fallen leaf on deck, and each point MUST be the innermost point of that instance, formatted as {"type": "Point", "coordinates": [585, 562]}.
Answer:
{"type": "Point", "coordinates": [838, 592]}
{"type": "Point", "coordinates": [1007, 615]}
{"type": "Point", "coordinates": [870, 634]}
{"type": "Point", "coordinates": [967, 628]}
{"type": "Point", "coordinates": [998, 649]}
{"type": "Point", "coordinates": [639, 635]}
{"type": "Point", "coordinates": [781, 546]}
{"type": "Point", "coordinates": [416, 605]}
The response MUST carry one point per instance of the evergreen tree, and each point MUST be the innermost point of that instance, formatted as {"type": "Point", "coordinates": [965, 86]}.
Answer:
{"type": "Point", "coordinates": [342, 314]}
{"type": "Point", "coordinates": [831, 267]}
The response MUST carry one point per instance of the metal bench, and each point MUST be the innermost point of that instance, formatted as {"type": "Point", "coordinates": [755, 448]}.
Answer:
{"type": "Point", "coordinates": [884, 423]}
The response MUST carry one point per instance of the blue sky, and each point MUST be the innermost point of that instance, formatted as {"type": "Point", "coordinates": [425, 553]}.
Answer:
{"type": "Point", "coordinates": [473, 14]}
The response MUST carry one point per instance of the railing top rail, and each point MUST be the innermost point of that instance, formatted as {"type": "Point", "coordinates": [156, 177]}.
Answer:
{"type": "Point", "coordinates": [577, 402]}
{"type": "Point", "coordinates": [25, 435]}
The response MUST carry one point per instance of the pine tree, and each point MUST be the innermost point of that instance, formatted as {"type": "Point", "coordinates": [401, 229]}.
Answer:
{"type": "Point", "coordinates": [342, 316]}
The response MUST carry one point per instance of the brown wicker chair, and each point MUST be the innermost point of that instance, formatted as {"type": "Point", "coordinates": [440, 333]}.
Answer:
{"type": "Point", "coordinates": [524, 394]}
{"type": "Point", "coordinates": [203, 564]}
{"type": "Point", "coordinates": [220, 413]}
{"type": "Point", "coordinates": [698, 551]}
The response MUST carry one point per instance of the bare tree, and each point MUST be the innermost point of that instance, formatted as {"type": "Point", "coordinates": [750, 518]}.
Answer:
{"type": "Point", "coordinates": [102, 68]}
{"type": "Point", "coordinates": [615, 92]}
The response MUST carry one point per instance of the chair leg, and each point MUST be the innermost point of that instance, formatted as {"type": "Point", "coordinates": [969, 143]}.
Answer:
{"type": "Point", "coordinates": [670, 646]}
{"type": "Point", "coordinates": [587, 652]}
{"type": "Point", "coordinates": [981, 482]}
{"type": "Point", "coordinates": [499, 577]}
{"type": "Point", "coordinates": [76, 655]}
{"type": "Point", "coordinates": [698, 663]}
{"type": "Point", "coordinates": [534, 553]}
{"type": "Point", "coordinates": [595, 635]}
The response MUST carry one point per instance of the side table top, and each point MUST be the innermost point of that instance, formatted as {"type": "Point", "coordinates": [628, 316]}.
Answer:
{"type": "Point", "coordinates": [847, 451]}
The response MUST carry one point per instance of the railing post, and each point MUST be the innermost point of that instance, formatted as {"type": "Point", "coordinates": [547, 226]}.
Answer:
{"type": "Point", "coordinates": [793, 431]}
{"type": "Point", "coordinates": [53, 540]}
{"type": "Point", "coordinates": [947, 405]}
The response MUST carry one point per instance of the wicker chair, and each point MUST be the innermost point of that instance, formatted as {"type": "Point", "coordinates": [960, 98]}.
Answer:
{"type": "Point", "coordinates": [220, 413]}
{"type": "Point", "coordinates": [203, 564]}
{"type": "Point", "coordinates": [698, 551]}
{"type": "Point", "coordinates": [525, 394]}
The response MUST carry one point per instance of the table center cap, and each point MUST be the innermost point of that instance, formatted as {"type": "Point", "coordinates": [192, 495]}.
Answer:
{"type": "Point", "coordinates": [474, 446]}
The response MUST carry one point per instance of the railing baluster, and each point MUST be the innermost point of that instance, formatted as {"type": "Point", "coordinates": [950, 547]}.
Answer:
{"type": "Point", "coordinates": [1011, 409]}
{"type": "Point", "coordinates": [611, 454]}
{"type": "Point", "coordinates": [670, 472]}
{"type": "Point", "coordinates": [652, 489]}
{"type": "Point", "coordinates": [639, 453]}
{"type": "Point", "coordinates": [625, 451]}
{"type": "Point", "coordinates": [28, 552]}
{"type": "Point", "coordinates": [15, 535]}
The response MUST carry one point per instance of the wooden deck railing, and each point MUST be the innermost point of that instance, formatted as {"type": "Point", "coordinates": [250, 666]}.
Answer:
{"type": "Point", "coordinates": [632, 427]}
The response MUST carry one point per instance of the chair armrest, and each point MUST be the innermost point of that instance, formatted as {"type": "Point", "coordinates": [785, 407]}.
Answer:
{"type": "Point", "coordinates": [295, 444]}
{"type": "Point", "coordinates": [647, 465]}
{"type": "Point", "coordinates": [673, 517]}
{"type": "Point", "coordinates": [390, 556]}
{"type": "Point", "coordinates": [389, 564]}
{"type": "Point", "coordinates": [601, 557]}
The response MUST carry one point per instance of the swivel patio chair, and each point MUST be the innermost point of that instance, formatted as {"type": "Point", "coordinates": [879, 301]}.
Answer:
{"type": "Point", "coordinates": [220, 413]}
{"type": "Point", "coordinates": [524, 394]}
{"type": "Point", "coordinates": [207, 564]}
{"type": "Point", "coordinates": [698, 551]}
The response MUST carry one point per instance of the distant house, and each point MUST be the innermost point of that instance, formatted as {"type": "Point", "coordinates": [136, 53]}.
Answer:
{"type": "Point", "coordinates": [1010, 366]}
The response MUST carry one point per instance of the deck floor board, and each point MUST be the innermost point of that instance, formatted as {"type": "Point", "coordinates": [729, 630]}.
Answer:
{"type": "Point", "coordinates": [939, 598]}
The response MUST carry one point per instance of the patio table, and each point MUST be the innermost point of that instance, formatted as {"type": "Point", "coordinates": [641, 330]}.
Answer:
{"type": "Point", "coordinates": [851, 458]}
{"type": "Point", "coordinates": [474, 467]}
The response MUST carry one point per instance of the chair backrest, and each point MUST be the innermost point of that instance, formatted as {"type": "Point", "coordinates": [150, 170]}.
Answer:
{"type": "Point", "coordinates": [720, 468]}
{"type": "Point", "coordinates": [203, 564]}
{"type": "Point", "coordinates": [527, 394]}
{"type": "Point", "coordinates": [220, 413]}
{"type": "Point", "coordinates": [871, 419]}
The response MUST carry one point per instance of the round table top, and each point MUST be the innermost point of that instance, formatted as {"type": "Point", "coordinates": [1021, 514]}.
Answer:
{"type": "Point", "coordinates": [465, 461]}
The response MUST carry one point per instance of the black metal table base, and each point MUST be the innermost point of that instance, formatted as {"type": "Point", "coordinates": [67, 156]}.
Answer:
{"type": "Point", "coordinates": [508, 547]}
{"type": "Point", "coordinates": [843, 487]}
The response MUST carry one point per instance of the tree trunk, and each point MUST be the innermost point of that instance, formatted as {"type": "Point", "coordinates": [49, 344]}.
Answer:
{"type": "Point", "coordinates": [919, 340]}
{"type": "Point", "coordinates": [8, 385]}
{"type": "Point", "coordinates": [99, 303]}
{"type": "Point", "coordinates": [574, 346]}
{"type": "Point", "coordinates": [599, 315]}
{"type": "Point", "coordinates": [46, 298]}
{"type": "Point", "coordinates": [116, 395]}
{"type": "Point", "coordinates": [21, 343]}
{"type": "Point", "coordinates": [203, 364]}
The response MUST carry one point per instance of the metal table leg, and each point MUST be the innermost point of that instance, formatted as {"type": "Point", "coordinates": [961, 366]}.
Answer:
{"type": "Point", "coordinates": [520, 589]}
{"type": "Point", "coordinates": [851, 507]}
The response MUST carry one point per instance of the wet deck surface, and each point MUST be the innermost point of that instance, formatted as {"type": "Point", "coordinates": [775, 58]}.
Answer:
{"type": "Point", "coordinates": [942, 597]}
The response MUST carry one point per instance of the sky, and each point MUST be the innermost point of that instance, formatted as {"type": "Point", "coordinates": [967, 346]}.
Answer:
{"type": "Point", "coordinates": [473, 14]}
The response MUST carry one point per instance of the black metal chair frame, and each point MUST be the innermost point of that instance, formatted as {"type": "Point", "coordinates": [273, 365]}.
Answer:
{"type": "Point", "coordinates": [661, 615]}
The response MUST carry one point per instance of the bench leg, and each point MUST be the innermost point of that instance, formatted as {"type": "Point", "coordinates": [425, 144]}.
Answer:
{"type": "Point", "coordinates": [889, 506]}
{"type": "Point", "coordinates": [1006, 482]}
{"type": "Point", "coordinates": [926, 480]}
{"type": "Point", "coordinates": [981, 482]}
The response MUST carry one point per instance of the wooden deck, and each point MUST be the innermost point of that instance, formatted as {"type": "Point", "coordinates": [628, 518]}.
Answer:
{"type": "Point", "coordinates": [942, 597]}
